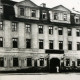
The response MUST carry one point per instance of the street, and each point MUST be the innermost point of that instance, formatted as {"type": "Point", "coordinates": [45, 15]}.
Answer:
{"type": "Point", "coordinates": [40, 76]}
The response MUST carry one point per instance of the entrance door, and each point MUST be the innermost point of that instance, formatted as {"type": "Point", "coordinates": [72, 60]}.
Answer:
{"type": "Point", "coordinates": [54, 62]}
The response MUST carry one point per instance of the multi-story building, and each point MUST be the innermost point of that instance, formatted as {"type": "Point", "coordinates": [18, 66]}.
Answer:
{"type": "Point", "coordinates": [37, 36]}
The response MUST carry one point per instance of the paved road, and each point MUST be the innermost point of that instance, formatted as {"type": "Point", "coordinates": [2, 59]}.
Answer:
{"type": "Point", "coordinates": [41, 76]}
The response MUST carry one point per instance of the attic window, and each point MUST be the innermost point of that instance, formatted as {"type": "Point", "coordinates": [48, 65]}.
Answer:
{"type": "Point", "coordinates": [77, 19]}
{"type": "Point", "coordinates": [65, 17]}
{"type": "Point", "coordinates": [33, 14]}
{"type": "Point", "coordinates": [44, 15]}
{"type": "Point", "coordinates": [55, 16]}
{"type": "Point", "coordinates": [22, 11]}
{"type": "Point", "coordinates": [1, 9]}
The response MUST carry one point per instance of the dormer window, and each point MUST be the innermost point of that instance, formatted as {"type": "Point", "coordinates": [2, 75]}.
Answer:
{"type": "Point", "coordinates": [65, 17]}
{"type": "Point", "coordinates": [33, 13]}
{"type": "Point", "coordinates": [76, 19]}
{"type": "Point", "coordinates": [55, 16]}
{"type": "Point", "coordinates": [22, 11]}
{"type": "Point", "coordinates": [44, 15]}
{"type": "Point", "coordinates": [1, 9]}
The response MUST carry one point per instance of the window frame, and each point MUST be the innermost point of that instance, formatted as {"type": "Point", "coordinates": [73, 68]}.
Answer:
{"type": "Point", "coordinates": [60, 45]}
{"type": "Point", "coordinates": [50, 30]}
{"type": "Point", "coordinates": [29, 64]}
{"type": "Point", "coordinates": [28, 28]}
{"type": "Point", "coordinates": [69, 45]}
{"type": "Point", "coordinates": [41, 62]}
{"type": "Point", "coordinates": [68, 61]}
{"type": "Point", "coordinates": [78, 32]}
{"type": "Point", "coordinates": [33, 13]}
{"type": "Point", "coordinates": [22, 12]}
{"type": "Point", "coordinates": [78, 45]}
{"type": "Point", "coordinates": [41, 44]}
{"type": "Point", "coordinates": [2, 62]}
{"type": "Point", "coordinates": [40, 29]}
{"type": "Point", "coordinates": [60, 31]}
{"type": "Point", "coordinates": [15, 41]}
{"type": "Point", "coordinates": [55, 16]}
{"type": "Point", "coordinates": [28, 43]}
{"type": "Point", "coordinates": [1, 42]}
{"type": "Point", "coordinates": [14, 26]}
{"type": "Point", "coordinates": [69, 31]}
{"type": "Point", "coordinates": [51, 44]}
{"type": "Point", "coordinates": [14, 61]}
{"type": "Point", "coordinates": [1, 25]}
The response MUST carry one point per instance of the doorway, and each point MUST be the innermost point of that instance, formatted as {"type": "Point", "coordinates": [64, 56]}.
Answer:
{"type": "Point", "coordinates": [54, 62]}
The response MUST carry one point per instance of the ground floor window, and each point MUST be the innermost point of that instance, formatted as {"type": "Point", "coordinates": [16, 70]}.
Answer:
{"type": "Point", "coordinates": [1, 62]}
{"type": "Point", "coordinates": [41, 61]}
{"type": "Point", "coordinates": [29, 61]}
{"type": "Point", "coordinates": [15, 62]}
{"type": "Point", "coordinates": [78, 62]}
{"type": "Point", "coordinates": [67, 62]}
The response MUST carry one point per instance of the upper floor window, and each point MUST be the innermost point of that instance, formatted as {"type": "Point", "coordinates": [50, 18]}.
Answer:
{"type": "Point", "coordinates": [60, 31]}
{"type": "Point", "coordinates": [15, 42]}
{"type": "Point", "coordinates": [50, 44]}
{"type": "Point", "coordinates": [14, 26]}
{"type": "Point", "coordinates": [44, 15]}
{"type": "Point", "coordinates": [65, 17]}
{"type": "Point", "coordinates": [50, 30]}
{"type": "Point", "coordinates": [69, 32]}
{"type": "Point", "coordinates": [78, 45]}
{"type": "Point", "coordinates": [29, 61]}
{"type": "Point", "coordinates": [1, 42]}
{"type": "Point", "coordinates": [28, 43]}
{"type": "Point", "coordinates": [40, 29]}
{"type": "Point", "coordinates": [78, 32]}
{"type": "Point", "coordinates": [28, 28]}
{"type": "Point", "coordinates": [1, 9]}
{"type": "Point", "coordinates": [69, 45]}
{"type": "Point", "coordinates": [40, 44]}
{"type": "Point", "coordinates": [76, 19]}
{"type": "Point", "coordinates": [22, 11]}
{"type": "Point", "coordinates": [1, 62]}
{"type": "Point", "coordinates": [55, 16]}
{"type": "Point", "coordinates": [60, 45]}
{"type": "Point", "coordinates": [33, 13]}
{"type": "Point", "coordinates": [1, 25]}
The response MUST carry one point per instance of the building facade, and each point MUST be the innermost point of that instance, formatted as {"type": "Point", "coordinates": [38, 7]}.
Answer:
{"type": "Point", "coordinates": [37, 36]}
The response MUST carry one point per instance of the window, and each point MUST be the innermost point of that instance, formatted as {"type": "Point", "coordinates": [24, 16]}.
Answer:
{"type": "Point", "coordinates": [50, 30]}
{"type": "Point", "coordinates": [29, 62]}
{"type": "Point", "coordinates": [40, 44]}
{"type": "Point", "coordinates": [15, 43]}
{"type": "Point", "coordinates": [55, 16]}
{"type": "Point", "coordinates": [33, 13]}
{"type": "Point", "coordinates": [78, 45]}
{"type": "Point", "coordinates": [65, 17]}
{"type": "Point", "coordinates": [28, 28]}
{"type": "Point", "coordinates": [50, 44]}
{"type": "Point", "coordinates": [14, 26]}
{"type": "Point", "coordinates": [1, 25]}
{"type": "Point", "coordinates": [28, 43]}
{"type": "Point", "coordinates": [1, 9]}
{"type": "Point", "coordinates": [22, 11]}
{"type": "Point", "coordinates": [69, 45]}
{"type": "Point", "coordinates": [40, 29]}
{"type": "Point", "coordinates": [1, 62]}
{"type": "Point", "coordinates": [60, 31]}
{"type": "Point", "coordinates": [60, 45]}
{"type": "Point", "coordinates": [69, 32]}
{"type": "Point", "coordinates": [15, 62]}
{"type": "Point", "coordinates": [76, 19]}
{"type": "Point", "coordinates": [78, 32]}
{"type": "Point", "coordinates": [1, 42]}
{"type": "Point", "coordinates": [41, 61]}
{"type": "Point", "coordinates": [67, 62]}
{"type": "Point", "coordinates": [78, 62]}
{"type": "Point", "coordinates": [44, 15]}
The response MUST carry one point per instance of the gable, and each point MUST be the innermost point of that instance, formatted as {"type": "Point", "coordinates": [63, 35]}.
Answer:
{"type": "Point", "coordinates": [27, 3]}
{"type": "Point", "coordinates": [61, 8]}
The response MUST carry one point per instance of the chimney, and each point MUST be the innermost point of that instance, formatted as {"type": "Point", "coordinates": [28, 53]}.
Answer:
{"type": "Point", "coordinates": [43, 5]}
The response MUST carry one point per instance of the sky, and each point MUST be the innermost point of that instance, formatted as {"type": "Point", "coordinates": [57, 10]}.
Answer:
{"type": "Point", "coordinates": [52, 3]}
